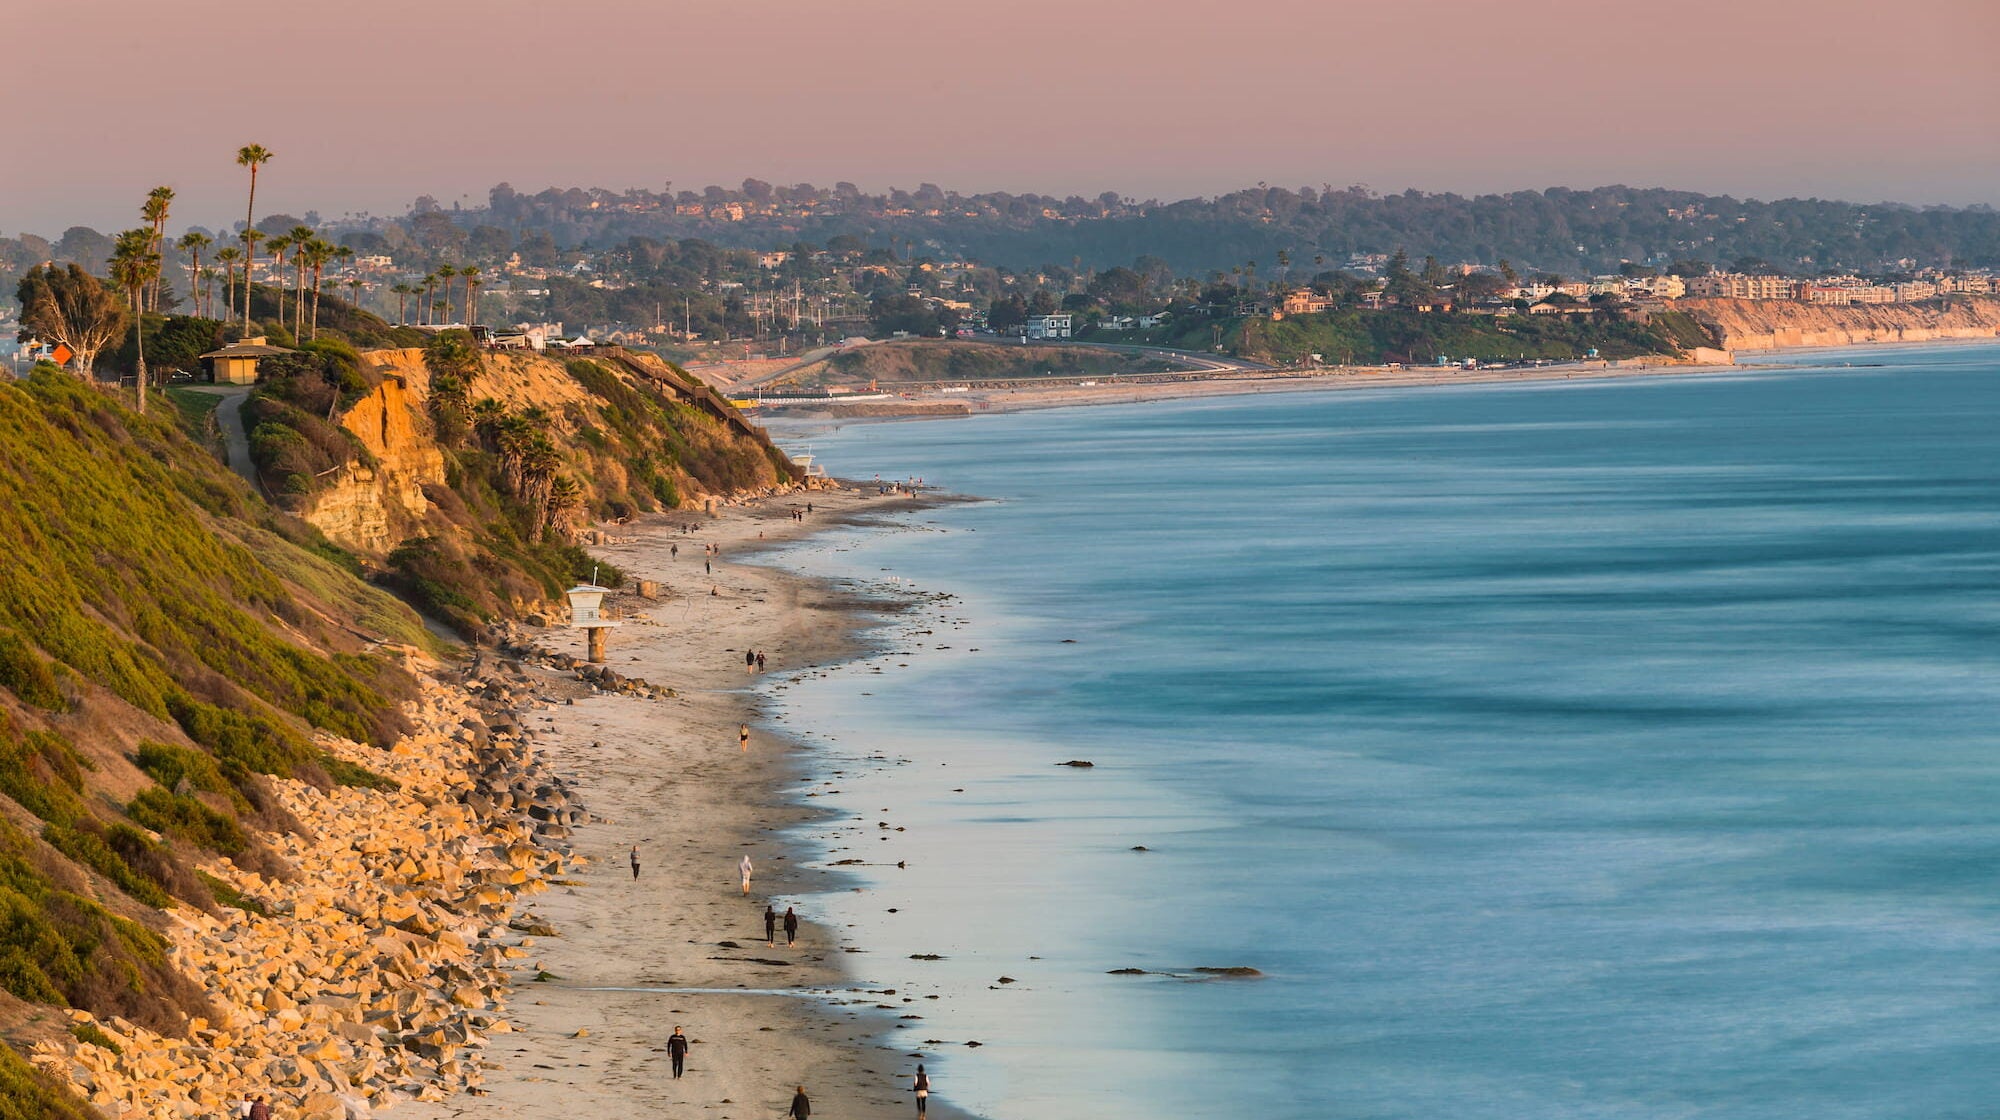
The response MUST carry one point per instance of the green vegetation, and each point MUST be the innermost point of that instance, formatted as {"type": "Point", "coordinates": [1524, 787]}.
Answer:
{"type": "Point", "coordinates": [28, 1094]}
{"type": "Point", "coordinates": [1354, 337]}
{"type": "Point", "coordinates": [951, 360]}
{"type": "Point", "coordinates": [227, 895]}
{"type": "Point", "coordinates": [91, 1035]}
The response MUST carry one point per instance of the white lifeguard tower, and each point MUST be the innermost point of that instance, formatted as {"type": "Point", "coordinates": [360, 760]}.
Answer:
{"type": "Point", "coordinates": [586, 613]}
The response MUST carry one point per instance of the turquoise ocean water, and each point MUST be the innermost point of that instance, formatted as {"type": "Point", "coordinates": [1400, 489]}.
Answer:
{"type": "Point", "coordinates": [1621, 749]}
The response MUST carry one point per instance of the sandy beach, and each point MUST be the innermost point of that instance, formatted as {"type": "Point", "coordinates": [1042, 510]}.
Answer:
{"type": "Point", "coordinates": [682, 944]}
{"type": "Point", "coordinates": [934, 401]}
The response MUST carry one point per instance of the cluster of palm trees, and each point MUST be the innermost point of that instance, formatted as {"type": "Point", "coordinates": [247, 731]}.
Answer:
{"type": "Point", "coordinates": [528, 463]}
{"type": "Point", "coordinates": [309, 254]}
{"type": "Point", "coordinates": [441, 277]}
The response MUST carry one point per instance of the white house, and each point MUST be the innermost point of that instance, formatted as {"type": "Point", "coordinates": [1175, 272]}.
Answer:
{"type": "Point", "coordinates": [1046, 326]}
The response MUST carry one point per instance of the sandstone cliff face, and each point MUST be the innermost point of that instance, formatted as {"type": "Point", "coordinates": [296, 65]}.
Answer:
{"type": "Point", "coordinates": [691, 445]}
{"type": "Point", "coordinates": [1744, 324]}
{"type": "Point", "coordinates": [370, 508]}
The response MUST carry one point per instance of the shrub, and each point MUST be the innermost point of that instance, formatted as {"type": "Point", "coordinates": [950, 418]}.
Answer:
{"type": "Point", "coordinates": [30, 678]}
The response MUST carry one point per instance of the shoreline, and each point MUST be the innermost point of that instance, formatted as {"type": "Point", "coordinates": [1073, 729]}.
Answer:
{"type": "Point", "coordinates": [591, 1006]}
{"type": "Point", "coordinates": [925, 405]}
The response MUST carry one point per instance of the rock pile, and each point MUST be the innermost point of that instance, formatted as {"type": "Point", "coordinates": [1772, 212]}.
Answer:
{"type": "Point", "coordinates": [378, 973]}
{"type": "Point", "coordinates": [514, 642]}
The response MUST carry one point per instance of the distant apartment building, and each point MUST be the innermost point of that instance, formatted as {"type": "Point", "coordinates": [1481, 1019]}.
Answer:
{"type": "Point", "coordinates": [1046, 326]}
{"type": "Point", "coordinates": [1729, 285]}
{"type": "Point", "coordinates": [1910, 291]}
{"type": "Point", "coordinates": [1871, 293]}
{"type": "Point", "coordinates": [1832, 295]}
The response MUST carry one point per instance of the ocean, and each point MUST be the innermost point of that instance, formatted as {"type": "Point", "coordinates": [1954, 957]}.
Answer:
{"type": "Point", "coordinates": [1620, 748]}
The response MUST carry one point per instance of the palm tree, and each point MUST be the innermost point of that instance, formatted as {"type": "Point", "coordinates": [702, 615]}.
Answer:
{"type": "Point", "coordinates": [318, 253]}
{"type": "Point", "coordinates": [429, 285]}
{"type": "Point", "coordinates": [445, 273]}
{"type": "Point", "coordinates": [134, 266]}
{"type": "Point", "coordinates": [192, 244]}
{"type": "Point", "coordinates": [251, 156]}
{"type": "Point", "coordinates": [227, 256]}
{"type": "Point", "coordinates": [278, 246]}
{"type": "Point", "coordinates": [206, 277]}
{"type": "Point", "coordinates": [354, 292]}
{"type": "Point", "coordinates": [472, 283]}
{"type": "Point", "coordinates": [301, 236]}
{"type": "Point", "coordinates": [154, 210]}
{"type": "Point", "coordinates": [403, 293]}
{"type": "Point", "coordinates": [250, 238]}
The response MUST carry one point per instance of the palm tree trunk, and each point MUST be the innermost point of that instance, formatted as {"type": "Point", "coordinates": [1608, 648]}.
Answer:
{"type": "Point", "coordinates": [139, 335]}
{"type": "Point", "coordinates": [249, 247]}
{"type": "Point", "coordinates": [316, 282]}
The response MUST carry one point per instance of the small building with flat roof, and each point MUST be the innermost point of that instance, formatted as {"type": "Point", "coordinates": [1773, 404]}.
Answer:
{"type": "Point", "coordinates": [236, 363]}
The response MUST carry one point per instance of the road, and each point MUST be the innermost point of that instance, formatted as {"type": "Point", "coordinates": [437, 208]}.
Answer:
{"type": "Point", "coordinates": [1214, 363]}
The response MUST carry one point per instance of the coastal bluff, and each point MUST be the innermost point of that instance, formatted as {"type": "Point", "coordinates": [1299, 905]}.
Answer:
{"type": "Point", "coordinates": [1747, 324]}
{"type": "Point", "coordinates": [700, 447]}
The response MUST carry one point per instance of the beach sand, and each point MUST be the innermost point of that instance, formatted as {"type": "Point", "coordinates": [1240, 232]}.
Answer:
{"type": "Point", "coordinates": [669, 777]}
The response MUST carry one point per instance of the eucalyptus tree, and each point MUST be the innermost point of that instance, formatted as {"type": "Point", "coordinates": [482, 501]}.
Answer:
{"type": "Point", "coordinates": [65, 304]}
{"type": "Point", "coordinates": [252, 156]}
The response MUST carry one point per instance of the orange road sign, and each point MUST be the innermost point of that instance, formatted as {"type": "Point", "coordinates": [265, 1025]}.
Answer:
{"type": "Point", "coordinates": [61, 354]}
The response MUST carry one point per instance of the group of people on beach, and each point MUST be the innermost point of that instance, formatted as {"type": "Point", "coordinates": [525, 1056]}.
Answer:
{"type": "Point", "coordinates": [753, 660]}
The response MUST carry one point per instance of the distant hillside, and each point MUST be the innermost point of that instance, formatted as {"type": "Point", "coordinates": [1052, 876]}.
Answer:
{"type": "Point", "coordinates": [1560, 230]}
{"type": "Point", "coordinates": [892, 363]}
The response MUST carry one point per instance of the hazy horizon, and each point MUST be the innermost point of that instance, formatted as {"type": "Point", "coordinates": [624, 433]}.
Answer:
{"type": "Point", "coordinates": [1780, 99]}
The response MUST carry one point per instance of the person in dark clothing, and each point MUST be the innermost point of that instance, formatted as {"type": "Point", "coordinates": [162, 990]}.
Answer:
{"type": "Point", "coordinates": [923, 1088]}
{"type": "Point", "coordinates": [801, 1106]}
{"type": "Point", "coordinates": [770, 927]}
{"type": "Point", "coordinates": [261, 1111]}
{"type": "Point", "coordinates": [677, 1049]}
{"type": "Point", "coordinates": [749, 658]}
{"type": "Point", "coordinates": [760, 660]}
{"type": "Point", "coordinates": [635, 861]}
{"type": "Point", "coordinates": [791, 927]}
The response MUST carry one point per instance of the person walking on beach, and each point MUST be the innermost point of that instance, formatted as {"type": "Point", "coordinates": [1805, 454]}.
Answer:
{"type": "Point", "coordinates": [749, 660]}
{"type": "Point", "coordinates": [674, 550]}
{"type": "Point", "coordinates": [791, 927]}
{"type": "Point", "coordinates": [745, 868]}
{"type": "Point", "coordinates": [922, 1085]}
{"type": "Point", "coordinates": [770, 927]}
{"type": "Point", "coordinates": [802, 1108]}
{"type": "Point", "coordinates": [743, 738]}
{"type": "Point", "coordinates": [677, 1049]}
{"type": "Point", "coordinates": [707, 567]}
{"type": "Point", "coordinates": [760, 660]}
{"type": "Point", "coordinates": [635, 861]}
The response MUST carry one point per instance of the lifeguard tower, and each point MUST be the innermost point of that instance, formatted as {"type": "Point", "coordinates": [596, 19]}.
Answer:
{"type": "Point", "coordinates": [586, 613]}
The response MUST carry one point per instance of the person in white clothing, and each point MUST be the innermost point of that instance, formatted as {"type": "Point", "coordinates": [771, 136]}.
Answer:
{"type": "Point", "coordinates": [745, 868]}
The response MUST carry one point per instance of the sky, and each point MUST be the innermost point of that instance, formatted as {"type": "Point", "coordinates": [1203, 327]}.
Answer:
{"type": "Point", "coordinates": [369, 103]}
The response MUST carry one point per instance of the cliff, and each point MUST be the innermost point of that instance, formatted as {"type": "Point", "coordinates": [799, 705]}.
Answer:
{"type": "Point", "coordinates": [1743, 324]}
{"type": "Point", "coordinates": [466, 476]}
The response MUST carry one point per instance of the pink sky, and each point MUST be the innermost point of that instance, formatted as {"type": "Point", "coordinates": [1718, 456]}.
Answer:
{"type": "Point", "coordinates": [369, 103]}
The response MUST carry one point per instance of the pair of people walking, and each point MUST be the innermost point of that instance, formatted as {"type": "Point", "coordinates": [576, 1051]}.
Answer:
{"type": "Point", "coordinates": [791, 924]}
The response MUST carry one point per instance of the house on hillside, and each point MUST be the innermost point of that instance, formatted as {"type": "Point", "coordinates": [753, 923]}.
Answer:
{"type": "Point", "coordinates": [1046, 326]}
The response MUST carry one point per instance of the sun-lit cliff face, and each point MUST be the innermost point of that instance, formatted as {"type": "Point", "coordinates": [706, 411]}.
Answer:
{"type": "Point", "coordinates": [1743, 324]}
{"type": "Point", "coordinates": [470, 476]}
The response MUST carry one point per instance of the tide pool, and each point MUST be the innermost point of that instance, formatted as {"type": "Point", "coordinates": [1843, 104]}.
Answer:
{"type": "Point", "coordinates": [1614, 749]}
